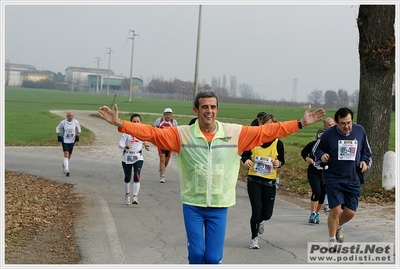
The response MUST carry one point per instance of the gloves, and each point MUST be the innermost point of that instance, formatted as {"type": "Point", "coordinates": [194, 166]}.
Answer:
{"type": "Point", "coordinates": [59, 138]}
{"type": "Point", "coordinates": [76, 138]}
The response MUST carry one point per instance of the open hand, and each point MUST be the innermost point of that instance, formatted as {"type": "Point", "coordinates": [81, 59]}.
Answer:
{"type": "Point", "coordinates": [312, 117]}
{"type": "Point", "coordinates": [110, 116]}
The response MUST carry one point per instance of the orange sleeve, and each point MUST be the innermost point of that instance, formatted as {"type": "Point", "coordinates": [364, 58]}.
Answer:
{"type": "Point", "coordinates": [163, 138]}
{"type": "Point", "coordinates": [252, 136]}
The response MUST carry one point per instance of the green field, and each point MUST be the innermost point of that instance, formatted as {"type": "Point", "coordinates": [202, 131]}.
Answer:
{"type": "Point", "coordinates": [28, 121]}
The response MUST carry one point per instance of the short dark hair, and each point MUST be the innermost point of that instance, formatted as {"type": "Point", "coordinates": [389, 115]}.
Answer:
{"type": "Point", "coordinates": [136, 115]}
{"type": "Point", "coordinates": [343, 112]}
{"type": "Point", "coordinates": [261, 114]}
{"type": "Point", "coordinates": [204, 94]}
{"type": "Point", "coordinates": [192, 121]}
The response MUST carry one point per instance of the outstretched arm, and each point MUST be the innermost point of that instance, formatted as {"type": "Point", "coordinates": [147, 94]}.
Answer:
{"type": "Point", "coordinates": [111, 116]}
{"type": "Point", "coordinates": [312, 117]}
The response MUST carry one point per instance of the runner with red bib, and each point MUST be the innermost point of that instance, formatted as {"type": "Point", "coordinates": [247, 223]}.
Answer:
{"type": "Point", "coordinates": [164, 122]}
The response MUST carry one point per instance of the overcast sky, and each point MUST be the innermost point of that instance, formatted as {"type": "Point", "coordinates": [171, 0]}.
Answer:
{"type": "Point", "coordinates": [266, 45]}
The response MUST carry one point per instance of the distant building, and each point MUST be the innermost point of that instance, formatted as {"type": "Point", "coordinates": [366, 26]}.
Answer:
{"type": "Point", "coordinates": [137, 84]}
{"type": "Point", "coordinates": [97, 80]}
{"type": "Point", "coordinates": [36, 76]}
{"type": "Point", "coordinates": [13, 73]}
{"type": "Point", "coordinates": [85, 78]}
{"type": "Point", "coordinates": [75, 78]}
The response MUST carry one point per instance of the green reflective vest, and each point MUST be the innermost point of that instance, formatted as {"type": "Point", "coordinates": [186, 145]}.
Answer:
{"type": "Point", "coordinates": [209, 171]}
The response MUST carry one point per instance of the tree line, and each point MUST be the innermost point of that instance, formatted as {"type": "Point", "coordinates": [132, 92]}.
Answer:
{"type": "Point", "coordinates": [245, 92]}
{"type": "Point", "coordinates": [332, 99]}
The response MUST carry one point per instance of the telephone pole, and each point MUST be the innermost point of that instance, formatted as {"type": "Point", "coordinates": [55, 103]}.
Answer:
{"type": "Point", "coordinates": [196, 83]}
{"type": "Point", "coordinates": [97, 78]}
{"type": "Point", "coordinates": [108, 79]}
{"type": "Point", "coordinates": [131, 78]}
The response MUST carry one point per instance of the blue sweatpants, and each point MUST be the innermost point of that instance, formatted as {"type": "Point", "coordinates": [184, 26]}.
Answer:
{"type": "Point", "coordinates": [205, 231]}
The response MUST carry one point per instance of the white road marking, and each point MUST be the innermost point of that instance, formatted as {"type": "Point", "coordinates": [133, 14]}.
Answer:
{"type": "Point", "coordinates": [112, 234]}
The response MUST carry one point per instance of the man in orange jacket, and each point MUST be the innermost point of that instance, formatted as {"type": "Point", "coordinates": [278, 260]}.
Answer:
{"type": "Point", "coordinates": [208, 162]}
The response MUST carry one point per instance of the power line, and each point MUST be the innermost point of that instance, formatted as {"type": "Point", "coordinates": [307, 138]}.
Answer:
{"type": "Point", "coordinates": [168, 42]}
{"type": "Point", "coordinates": [165, 25]}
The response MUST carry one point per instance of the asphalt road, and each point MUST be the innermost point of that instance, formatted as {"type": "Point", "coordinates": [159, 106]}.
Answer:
{"type": "Point", "coordinates": [152, 233]}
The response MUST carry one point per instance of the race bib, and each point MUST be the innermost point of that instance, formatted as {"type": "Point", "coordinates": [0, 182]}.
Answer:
{"type": "Point", "coordinates": [263, 165]}
{"type": "Point", "coordinates": [132, 157]}
{"type": "Point", "coordinates": [347, 150]}
{"type": "Point", "coordinates": [69, 133]}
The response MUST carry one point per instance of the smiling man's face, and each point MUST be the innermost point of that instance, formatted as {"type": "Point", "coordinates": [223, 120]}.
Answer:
{"type": "Point", "coordinates": [207, 111]}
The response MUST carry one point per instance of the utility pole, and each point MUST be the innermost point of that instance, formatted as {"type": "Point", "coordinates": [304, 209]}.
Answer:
{"type": "Point", "coordinates": [97, 78]}
{"type": "Point", "coordinates": [196, 83]}
{"type": "Point", "coordinates": [108, 79]}
{"type": "Point", "coordinates": [131, 78]}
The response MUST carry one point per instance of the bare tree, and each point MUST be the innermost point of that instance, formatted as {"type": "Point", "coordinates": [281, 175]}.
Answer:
{"type": "Point", "coordinates": [214, 83]}
{"type": "Point", "coordinates": [343, 98]}
{"type": "Point", "coordinates": [204, 86]}
{"type": "Point", "coordinates": [180, 86]}
{"type": "Point", "coordinates": [158, 86]}
{"type": "Point", "coordinates": [171, 86]}
{"type": "Point", "coordinates": [233, 86]}
{"type": "Point", "coordinates": [219, 91]}
{"type": "Point", "coordinates": [377, 66]}
{"type": "Point", "coordinates": [245, 90]}
{"type": "Point", "coordinates": [125, 84]}
{"type": "Point", "coordinates": [316, 97]}
{"type": "Point", "coordinates": [331, 99]}
{"type": "Point", "coordinates": [255, 96]}
{"type": "Point", "coordinates": [354, 99]}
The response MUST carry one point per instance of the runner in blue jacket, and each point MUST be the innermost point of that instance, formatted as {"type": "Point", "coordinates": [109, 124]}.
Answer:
{"type": "Point", "coordinates": [346, 151]}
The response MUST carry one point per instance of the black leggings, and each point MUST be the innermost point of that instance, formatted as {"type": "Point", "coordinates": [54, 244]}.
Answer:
{"type": "Point", "coordinates": [317, 187]}
{"type": "Point", "coordinates": [262, 199]}
{"type": "Point", "coordinates": [137, 167]}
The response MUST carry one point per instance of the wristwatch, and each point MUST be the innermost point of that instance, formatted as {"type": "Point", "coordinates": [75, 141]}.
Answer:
{"type": "Point", "coordinates": [299, 124]}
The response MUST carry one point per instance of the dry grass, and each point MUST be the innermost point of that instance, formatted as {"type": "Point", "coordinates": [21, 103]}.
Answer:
{"type": "Point", "coordinates": [39, 221]}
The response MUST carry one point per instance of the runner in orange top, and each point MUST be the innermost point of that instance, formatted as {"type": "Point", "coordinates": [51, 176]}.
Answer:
{"type": "Point", "coordinates": [208, 162]}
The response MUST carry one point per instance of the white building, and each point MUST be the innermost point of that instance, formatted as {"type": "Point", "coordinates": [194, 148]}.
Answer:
{"type": "Point", "coordinates": [13, 73]}
{"type": "Point", "coordinates": [96, 80]}
{"type": "Point", "coordinates": [82, 78]}
{"type": "Point", "coordinates": [75, 79]}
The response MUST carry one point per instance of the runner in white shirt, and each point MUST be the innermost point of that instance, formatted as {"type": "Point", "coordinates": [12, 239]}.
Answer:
{"type": "Point", "coordinates": [164, 122]}
{"type": "Point", "coordinates": [68, 132]}
{"type": "Point", "coordinates": [132, 158]}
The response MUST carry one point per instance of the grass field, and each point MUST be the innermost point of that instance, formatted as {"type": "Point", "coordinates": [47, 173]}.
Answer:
{"type": "Point", "coordinates": [28, 121]}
